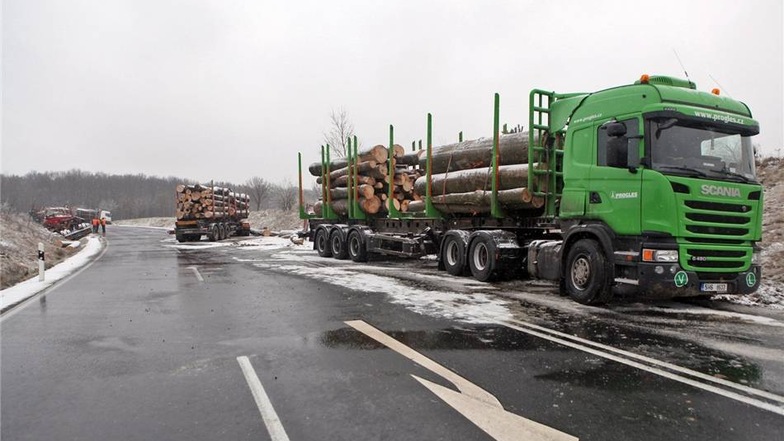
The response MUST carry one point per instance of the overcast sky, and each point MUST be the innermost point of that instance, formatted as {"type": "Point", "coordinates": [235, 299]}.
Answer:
{"type": "Point", "coordinates": [227, 90]}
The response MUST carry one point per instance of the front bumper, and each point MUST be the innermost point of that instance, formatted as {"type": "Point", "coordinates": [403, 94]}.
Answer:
{"type": "Point", "coordinates": [671, 281]}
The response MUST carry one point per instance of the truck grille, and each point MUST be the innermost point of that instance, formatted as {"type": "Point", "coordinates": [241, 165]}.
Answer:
{"type": "Point", "coordinates": [710, 230]}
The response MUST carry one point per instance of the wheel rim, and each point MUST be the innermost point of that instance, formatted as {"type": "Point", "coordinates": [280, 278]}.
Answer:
{"type": "Point", "coordinates": [322, 242]}
{"type": "Point", "coordinates": [353, 245]}
{"type": "Point", "coordinates": [451, 253]}
{"type": "Point", "coordinates": [581, 272]}
{"type": "Point", "coordinates": [480, 256]}
{"type": "Point", "coordinates": [336, 244]}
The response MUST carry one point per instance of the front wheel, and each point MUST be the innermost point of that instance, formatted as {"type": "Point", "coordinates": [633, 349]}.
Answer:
{"type": "Point", "coordinates": [587, 275]}
{"type": "Point", "coordinates": [322, 243]}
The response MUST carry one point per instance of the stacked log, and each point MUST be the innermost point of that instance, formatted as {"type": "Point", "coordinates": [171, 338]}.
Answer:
{"type": "Point", "coordinates": [462, 179]}
{"type": "Point", "coordinates": [206, 202]}
{"type": "Point", "coordinates": [372, 177]}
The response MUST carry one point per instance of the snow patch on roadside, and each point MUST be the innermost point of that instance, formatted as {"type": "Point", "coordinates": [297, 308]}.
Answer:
{"type": "Point", "coordinates": [472, 308]}
{"type": "Point", "coordinates": [30, 287]}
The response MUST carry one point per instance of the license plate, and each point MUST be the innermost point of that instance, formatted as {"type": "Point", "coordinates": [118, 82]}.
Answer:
{"type": "Point", "coordinates": [714, 287]}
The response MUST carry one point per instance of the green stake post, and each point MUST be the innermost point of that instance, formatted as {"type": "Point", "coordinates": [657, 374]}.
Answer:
{"type": "Point", "coordinates": [393, 213]}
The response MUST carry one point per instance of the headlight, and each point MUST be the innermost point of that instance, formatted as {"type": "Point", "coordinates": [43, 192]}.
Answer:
{"type": "Point", "coordinates": [649, 255]}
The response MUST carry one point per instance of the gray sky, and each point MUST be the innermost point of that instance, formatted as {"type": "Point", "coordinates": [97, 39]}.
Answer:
{"type": "Point", "coordinates": [227, 90]}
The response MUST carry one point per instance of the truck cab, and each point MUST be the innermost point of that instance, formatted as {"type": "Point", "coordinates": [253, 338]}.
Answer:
{"type": "Point", "coordinates": [661, 177]}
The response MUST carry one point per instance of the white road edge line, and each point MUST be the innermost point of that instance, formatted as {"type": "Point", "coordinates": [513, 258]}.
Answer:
{"type": "Point", "coordinates": [653, 361]}
{"type": "Point", "coordinates": [268, 414]}
{"type": "Point", "coordinates": [675, 377]}
{"type": "Point", "coordinates": [51, 288]}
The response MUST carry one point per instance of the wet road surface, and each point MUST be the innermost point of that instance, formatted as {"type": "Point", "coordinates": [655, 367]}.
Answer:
{"type": "Point", "coordinates": [147, 343]}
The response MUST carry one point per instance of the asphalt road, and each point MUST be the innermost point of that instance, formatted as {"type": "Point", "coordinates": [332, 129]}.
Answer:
{"type": "Point", "coordinates": [162, 342]}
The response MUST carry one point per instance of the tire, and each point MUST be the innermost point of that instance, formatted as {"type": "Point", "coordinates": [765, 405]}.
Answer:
{"type": "Point", "coordinates": [587, 273]}
{"type": "Point", "coordinates": [181, 237]}
{"type": "Point", "coordinates": [214, 234]}
{"type": "Point", "coordinates": [322, 243]}
{"type": "Point", "coordinates": [222, 233]}
{"type": "Point", "coordinates": [482, 259]}
{"type": "Point", "coordinates": [338, 245]}
{"type": "Point", "coordinates": [453, 255]}
{"type": "Point", "coordinates": [355, 245]}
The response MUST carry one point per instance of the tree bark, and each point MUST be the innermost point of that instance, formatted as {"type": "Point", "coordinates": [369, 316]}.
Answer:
{"type": "Point", "coordinates": [463, 181]}
{"type": "Point", "coordinates": [513, 149]}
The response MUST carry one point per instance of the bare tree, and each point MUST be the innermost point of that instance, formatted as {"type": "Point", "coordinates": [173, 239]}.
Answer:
{"type": "Point", "coordinates": [340, 129]}
{"type": "Point", "coordinates": [259, 189]}
{"type": "Point", "coordinates": [287, 196]}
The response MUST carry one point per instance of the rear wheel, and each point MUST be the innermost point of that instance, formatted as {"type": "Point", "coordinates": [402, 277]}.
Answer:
{"type": "Point", "coordinates": [322, 243]}
{"type": "Point", "coordinates": [587, 276]}
{"type": "Point", "coordinates": [356, 247]}
{"type": "Point", "coordinates": [482, 259]}
{"type": "Point", "coordinates": [214, 233]}
{"type": "Point", "coordinates": [453, 255]}
{"type": "Point", "coordinates": [222, 231]}
{"type": "Point", "coordinates": [338, 245]}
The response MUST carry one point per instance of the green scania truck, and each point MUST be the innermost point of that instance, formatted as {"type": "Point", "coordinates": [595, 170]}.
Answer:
{"type": "Point", "coordinates": [650, 186]}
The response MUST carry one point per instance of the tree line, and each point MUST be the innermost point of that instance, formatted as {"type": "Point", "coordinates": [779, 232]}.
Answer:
{"type": "Point", "coordinates": [127, 196]}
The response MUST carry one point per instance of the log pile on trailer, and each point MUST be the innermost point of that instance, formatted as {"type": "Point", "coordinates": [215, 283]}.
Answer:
{"type": "Point", "coordinates": [204, 202]}
{"type": "Point", "coordinates": [369, 176]}
{"type": "Point", "coordinates": [460, 182]}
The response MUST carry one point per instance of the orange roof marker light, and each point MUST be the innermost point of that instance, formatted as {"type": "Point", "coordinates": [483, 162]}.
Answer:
{"type": "Point", "coordinates": [715, 91]}
{"type": "Point", "coordinates": [644, 78]}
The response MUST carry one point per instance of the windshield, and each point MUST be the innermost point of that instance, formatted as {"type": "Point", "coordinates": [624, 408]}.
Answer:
{"type": "Point", "coordinates": [701, 151]}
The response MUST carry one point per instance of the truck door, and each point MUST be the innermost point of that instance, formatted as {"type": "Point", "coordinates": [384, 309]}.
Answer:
{"type": "Point", "coordinates": [614, 186]}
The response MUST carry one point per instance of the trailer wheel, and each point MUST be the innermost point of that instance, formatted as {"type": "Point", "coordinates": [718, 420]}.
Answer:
{"type": "Point", "coordinates": [214, 234]}
{"type": "Point", "coordinates": [338, 245]}
{"type": "Point", "coordinates": [221, 232]}
{"type": "Point", "coordinates": [587, 273]}
{"type": "Point", "coordinates": [356, 247]}
{"type": "Point", "coordinates": [322, 243]}
{"type": "Point", "coordinates": [181, 237]}
{"type": "Point", "coordinates": [482, 259]}
{"type": "Point", "coordinates": [454, 255]}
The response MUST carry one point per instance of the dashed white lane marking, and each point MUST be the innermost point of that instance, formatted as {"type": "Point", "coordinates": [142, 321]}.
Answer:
{"type": "Point", "coordinates": [476, 404]}
{"type": "Point", "coordinates": [669, 375]}
{"type": "Point", "coordinates": [197, 273]}
{"type": "Point", "coordinates": [268, 414]}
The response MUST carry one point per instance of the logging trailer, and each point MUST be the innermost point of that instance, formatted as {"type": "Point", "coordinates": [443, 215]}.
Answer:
{"type": "Point", "coordinates": [650, 186]}
{"type": "Point", "coordinates": [206, 210]}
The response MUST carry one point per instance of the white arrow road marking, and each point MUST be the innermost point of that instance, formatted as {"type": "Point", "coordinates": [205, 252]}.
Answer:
{"type": "Point", "coordinates": [268, 414]}
{"type": "Point", "coordinates": [197, 273]}
{"type": "Point", "coordinates": [498, 423]}
{"type": "Point", "coordinates": [476, 404]}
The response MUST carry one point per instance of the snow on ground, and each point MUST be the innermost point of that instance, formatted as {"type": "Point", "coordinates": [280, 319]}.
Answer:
{"type": "Point", "coordinates": [30, 287]}
{"type": "Point", "coordinates": [465, 307]}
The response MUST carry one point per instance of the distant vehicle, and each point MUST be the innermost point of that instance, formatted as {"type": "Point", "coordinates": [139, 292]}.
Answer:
{"type": "Point", "coordinates": [58, 218]}
{"type": "Point", "coordinates": [215, 212]}
{"type": "Point", "coordinates": [105, 214]}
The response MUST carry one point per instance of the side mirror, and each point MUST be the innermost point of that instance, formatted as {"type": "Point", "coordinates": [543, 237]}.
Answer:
{"type": "Point", "coordinates": [615, 129]}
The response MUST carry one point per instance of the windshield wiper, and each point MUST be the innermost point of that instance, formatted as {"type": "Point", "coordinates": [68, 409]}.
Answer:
{"type": "Point", "coordinates": [743, 178]}
{"type": "Point", "coordinates": [690, 171]}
